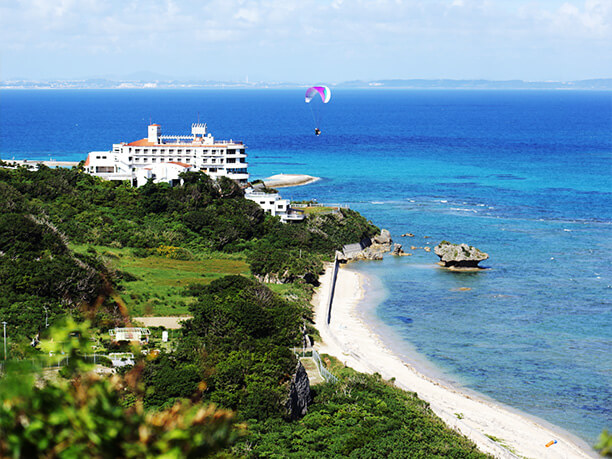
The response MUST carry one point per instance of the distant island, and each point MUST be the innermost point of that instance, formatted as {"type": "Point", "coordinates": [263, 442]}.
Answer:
{"type": "Point", "coordinates": [154, 81]}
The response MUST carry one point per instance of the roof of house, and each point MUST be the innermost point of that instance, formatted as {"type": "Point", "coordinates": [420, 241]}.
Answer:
{"type": "Point", "coordinates": [141, 143]}
{"type": "Point", "coordinates": [87, 160]}
{"type": "Point", "coordinates": [179, 163]}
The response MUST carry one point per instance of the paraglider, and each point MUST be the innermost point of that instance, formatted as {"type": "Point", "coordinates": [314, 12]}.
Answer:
{"type": "Point", "coordinates": [317, 92]}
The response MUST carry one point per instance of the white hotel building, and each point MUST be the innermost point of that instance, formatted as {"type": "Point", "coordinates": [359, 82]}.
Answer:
{"type": "Point", "coordinates": [163, 157]}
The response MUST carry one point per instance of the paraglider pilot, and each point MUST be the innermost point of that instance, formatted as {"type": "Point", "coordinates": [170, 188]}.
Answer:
{"type": "Point", "coordinates": [317, 131]}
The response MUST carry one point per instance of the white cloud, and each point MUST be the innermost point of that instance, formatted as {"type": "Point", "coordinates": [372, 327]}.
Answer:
{"type": "Point", "coordinates": [347, 35]}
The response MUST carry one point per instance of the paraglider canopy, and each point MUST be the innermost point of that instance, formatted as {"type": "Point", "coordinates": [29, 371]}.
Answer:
{"type": "Point", "coordinates": [322, 91]}
{"type": "Point", "coordinates": [313, 93]}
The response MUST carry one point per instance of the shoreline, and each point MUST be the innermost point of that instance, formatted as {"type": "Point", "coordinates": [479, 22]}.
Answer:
{"type": "Point", "coordinates": [352, 341]}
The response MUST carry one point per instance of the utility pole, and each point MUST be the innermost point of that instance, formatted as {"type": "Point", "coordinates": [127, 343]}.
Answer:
{"type": "Point", "coordinates": [4, 323]}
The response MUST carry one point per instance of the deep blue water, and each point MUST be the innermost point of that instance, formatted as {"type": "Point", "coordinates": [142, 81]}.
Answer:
{"type": "Point", "coordinates": [524, 175]}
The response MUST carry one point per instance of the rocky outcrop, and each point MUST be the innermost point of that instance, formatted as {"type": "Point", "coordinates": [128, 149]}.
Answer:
{"type": "Point", "coordinates": [459, 255]}
{"type": "Point", "coordinates": [384, 238]}
{"type": "Point", "coordinates": [270, 278]}
{"type": "Point", "coordinates": [370, 249]}
{"type": "Point", "coordinates": [299, 394]}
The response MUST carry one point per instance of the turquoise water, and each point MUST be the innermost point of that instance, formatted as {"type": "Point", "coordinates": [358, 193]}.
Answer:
{"type": "Point", "coordinates": [525, 176]}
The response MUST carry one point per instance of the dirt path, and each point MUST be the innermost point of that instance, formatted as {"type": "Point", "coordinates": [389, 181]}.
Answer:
{"type": "Point", "coordinates": [170, 322]}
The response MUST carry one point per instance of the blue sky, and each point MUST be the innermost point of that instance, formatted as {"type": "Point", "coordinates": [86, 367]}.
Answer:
{"type": "Point", "coordinates": [307, 40]}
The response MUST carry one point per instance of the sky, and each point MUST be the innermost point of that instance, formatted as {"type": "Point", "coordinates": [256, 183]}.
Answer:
{"type": "Point", "coordinates": [306, 40]}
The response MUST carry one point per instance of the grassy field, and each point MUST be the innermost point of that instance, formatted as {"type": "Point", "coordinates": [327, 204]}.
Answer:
{"type": "Point", "coordinates": [318, 210]}
{"type": "Point", "coordinates": [160, 281]}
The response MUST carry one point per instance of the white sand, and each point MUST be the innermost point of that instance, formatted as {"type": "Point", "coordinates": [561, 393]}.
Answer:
{"type": "Point", "coordinates": [350, 340]}
{"type": "Point", "coordinates": [287, 180]}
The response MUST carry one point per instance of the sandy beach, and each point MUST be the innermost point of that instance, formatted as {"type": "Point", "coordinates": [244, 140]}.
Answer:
{"type": "Point", "coordinates": [349, 339]}
{"type": "Point", "coordinates": [287, 180]}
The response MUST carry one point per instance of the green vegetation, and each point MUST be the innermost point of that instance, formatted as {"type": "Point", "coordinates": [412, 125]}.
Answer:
{"type": "Point", "coordinates": [97, 252]}
{"type": "Point", "coordinates": [310, 210]}
{"type": "Point", "coordinates": [362, 416]}
{"type": "Point", "coordinates": [604, 446]}
{"type": "Point", "coordinates": [155, 284]}
{"type": "Point", "coordinates": [86, 415]}
{"type": "Point", "coordinates": [133, 250]}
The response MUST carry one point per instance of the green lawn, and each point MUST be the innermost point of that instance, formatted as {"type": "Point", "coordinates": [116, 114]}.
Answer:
{"type": "Point", "coordinates": [318, 210]}
{"type": "Point", "coordinates": [160, 281]}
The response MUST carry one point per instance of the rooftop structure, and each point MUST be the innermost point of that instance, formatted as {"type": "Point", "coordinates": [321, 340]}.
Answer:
{"type": "Point", "coordinates": [275, 205]}
{"type": "Point", "coordinates": [163, 157]}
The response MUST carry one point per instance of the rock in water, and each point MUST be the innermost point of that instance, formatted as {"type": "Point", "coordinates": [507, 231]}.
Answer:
{"type": "Point", "coordinates": [397, 249]}
{"type": "Point", "coordinates": [459, 255]}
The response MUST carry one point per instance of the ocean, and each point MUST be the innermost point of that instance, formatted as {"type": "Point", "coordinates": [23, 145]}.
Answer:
{"type": "Point", "coordinates": [525, 176]}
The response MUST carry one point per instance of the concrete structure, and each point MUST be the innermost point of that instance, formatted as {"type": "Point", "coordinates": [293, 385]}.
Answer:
{"type": "Point", "coordinates": [130, 334]}
{"type": "Point", "coordinates": [163, 157]}
{"type": "Point", "coordinates": [121, 359]}
{"type": "Point", "coordinates": [275, 205]}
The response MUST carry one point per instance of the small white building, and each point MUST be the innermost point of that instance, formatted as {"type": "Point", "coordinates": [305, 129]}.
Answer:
{"type": "Point", "coordinates": [275, 205]}
{"type": "Point", "coordinates": [130, 334]}
{"type": "Point", "coordinates": [163, 157]}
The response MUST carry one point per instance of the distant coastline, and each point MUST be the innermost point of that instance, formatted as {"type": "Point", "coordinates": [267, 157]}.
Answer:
{"type": "Point", "coordinates": [162, 82]}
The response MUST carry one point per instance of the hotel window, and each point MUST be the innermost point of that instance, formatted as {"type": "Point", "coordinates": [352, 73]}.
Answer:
{"type": "Point", "coordinates": [171, 151]}
{"type": "Point", "coordinates": [153, 160]}
{"type": "Point", "coordinates": [214, 160]}
{"type": "Point", "coordinates": [130, 150]}
{"type": "Point", "coordinates": [136, 160]}
{"type": "Point", "coordinates": [154, 151]}
{"type": "Point", "coordinates": [188, 151]}
{"type": "Point", "coordinates": [130, 158]}
{"type": "Point", "coordinates": [137, 150]}
{"type": "Point", "coordinates": [161, 160]}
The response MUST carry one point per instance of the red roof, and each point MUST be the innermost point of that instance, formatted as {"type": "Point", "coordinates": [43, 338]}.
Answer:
{"type": "Point", "coordinates": [179, 163]}
{"type": "Point", "coordinates": [154, 124]}
{"type": "Point", "coordinates": [87, 161]}
{"type": "Point", "coordinates": [141, 143]}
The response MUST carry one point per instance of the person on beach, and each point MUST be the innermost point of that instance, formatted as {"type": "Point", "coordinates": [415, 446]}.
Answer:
{"type": "Point", "coordinates": [317, 131]}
